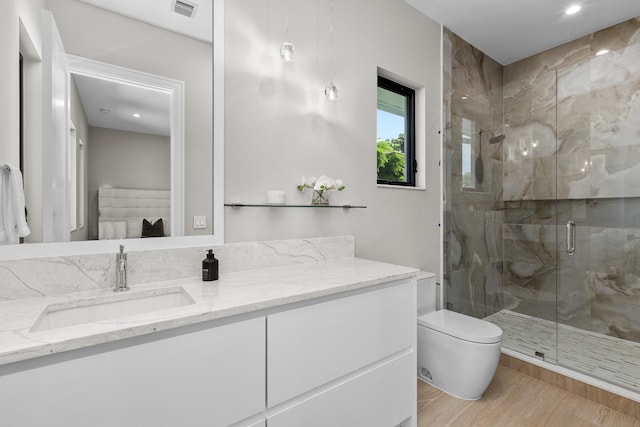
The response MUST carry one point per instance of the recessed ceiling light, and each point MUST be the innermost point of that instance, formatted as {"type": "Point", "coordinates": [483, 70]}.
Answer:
{"type": "Point", "coordinates": [136, 115]}
{"type": "Point", "coordinates": [573, 9]}
{"type": "Point", "coordinates": [602, 52]}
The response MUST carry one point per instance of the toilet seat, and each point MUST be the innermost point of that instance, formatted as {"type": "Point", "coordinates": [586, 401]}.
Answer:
{"type": "Point", "coordinates": [461, 326]}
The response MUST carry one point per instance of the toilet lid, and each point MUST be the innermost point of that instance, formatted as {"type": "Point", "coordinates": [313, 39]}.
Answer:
{"type": "Point", "coordinates": [461, 326]}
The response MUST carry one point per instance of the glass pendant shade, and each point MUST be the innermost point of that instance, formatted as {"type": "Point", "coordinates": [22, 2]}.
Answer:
{"type": "Point", "coordinates": [287, 50]}
{"type": "Point", "coordinates": [331, 91]}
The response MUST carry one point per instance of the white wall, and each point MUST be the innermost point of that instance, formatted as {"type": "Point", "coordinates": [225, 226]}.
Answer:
{"type": "Point", "coordinates": [125, 160]}
{"type": "Point", "coordinates": [279, 125]}
{"type": "Point", "coordinates": [9, 111]}
{"type": "Point", "coordinates": [14, 14]}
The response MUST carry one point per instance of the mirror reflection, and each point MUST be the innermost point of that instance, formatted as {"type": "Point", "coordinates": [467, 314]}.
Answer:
{"type": "Point", "coordinates": [114, 102]}
{"type": "Point", "coordinates": [131, 125]}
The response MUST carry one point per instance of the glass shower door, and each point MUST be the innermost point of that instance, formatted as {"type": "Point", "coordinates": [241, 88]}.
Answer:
{"type": "Point", "coordinates": [599, 284]}
{"type": "Point", "coordinates": [530, 191]}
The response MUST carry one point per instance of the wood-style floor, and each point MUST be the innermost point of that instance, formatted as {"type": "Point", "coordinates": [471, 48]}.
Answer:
{"type": "Point", "coordinates": [515, 399]}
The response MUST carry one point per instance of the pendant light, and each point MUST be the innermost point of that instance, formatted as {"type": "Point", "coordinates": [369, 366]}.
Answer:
{"type": "Point", "coordinates": [331, 90]}
{"type": "Point", "coordinates": [287, 49]}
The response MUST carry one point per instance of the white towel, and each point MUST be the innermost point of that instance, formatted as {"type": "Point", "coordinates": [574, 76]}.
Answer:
{"type": "Point", "coordinates": [13, 223]}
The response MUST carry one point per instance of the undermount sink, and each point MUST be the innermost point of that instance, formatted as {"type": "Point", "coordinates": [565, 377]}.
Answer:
{"type": "Point", "coordinates": [87, 311]}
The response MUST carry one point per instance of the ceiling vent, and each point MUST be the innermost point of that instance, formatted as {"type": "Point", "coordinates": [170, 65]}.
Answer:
{"type": "Point", "coordinates": [185, 8]}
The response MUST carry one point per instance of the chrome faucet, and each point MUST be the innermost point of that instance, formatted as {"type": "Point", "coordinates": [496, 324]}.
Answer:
{"type": "Point", "coordinates": [121, 271]}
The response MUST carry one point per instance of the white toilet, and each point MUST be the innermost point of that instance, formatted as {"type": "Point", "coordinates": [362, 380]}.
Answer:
{"type": "Point", "coordinates": [458, 354]}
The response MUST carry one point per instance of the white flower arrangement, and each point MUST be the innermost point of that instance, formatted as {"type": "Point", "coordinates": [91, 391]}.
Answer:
{"type": "Point", "coordinates": [320, 186]}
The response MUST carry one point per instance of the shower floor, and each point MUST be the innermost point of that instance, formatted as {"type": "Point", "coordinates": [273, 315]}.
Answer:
{"type": "Point", "coordinates": [611, 359]}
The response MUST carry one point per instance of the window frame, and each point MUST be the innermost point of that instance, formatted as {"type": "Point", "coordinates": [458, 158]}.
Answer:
{"type": "Point", "coordinates": [410, 130]}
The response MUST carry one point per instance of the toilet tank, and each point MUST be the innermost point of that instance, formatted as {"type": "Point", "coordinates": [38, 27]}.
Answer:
{"type": "Point", "coordinates": [426, 290]}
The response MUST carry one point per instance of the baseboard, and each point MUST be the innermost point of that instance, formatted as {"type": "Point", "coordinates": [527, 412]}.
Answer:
{"type": "Point", "coordinates": [579, 388]}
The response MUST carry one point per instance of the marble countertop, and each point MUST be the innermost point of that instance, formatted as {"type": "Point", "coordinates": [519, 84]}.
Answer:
{"type": "Point", "coordinates": [233, 294]}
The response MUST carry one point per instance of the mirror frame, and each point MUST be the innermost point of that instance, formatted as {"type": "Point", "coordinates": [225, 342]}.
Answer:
{"type": "Point", "coordinates": [39, 250]}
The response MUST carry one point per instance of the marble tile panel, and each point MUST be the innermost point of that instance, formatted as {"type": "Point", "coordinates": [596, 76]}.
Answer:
{"type": "Point", "coordinates": [573, 174]}
{"type": "Point", "coordinates": [494, 288]}
{"type": "Point", "coordinates": [60, 275]}
{"type": "Point", "coordinates": [608, 249]}
{"type": "Point", "coordinates": [530, 212]}
{"type": "Point", "coordinates": [544, 91]}
{"type": "Point", "coordinates": [528, 69]}
{"type": "Point", "coordinates": [529, 179]}
{"type": "Point", "coordinates": [615, 115]}
{"type": "Point", "coordinates": [537, 298]}
{"type": "Point", "coordinates": [50, 276]}
{"type": "Point", "coordinates": [574, 80]}
{"type": "Point", "coordinates": [457, 291]}
{"type": "Point", "coordinates": [615, 212]}
{"type": "Point", "coordinates": [614, 309]}
{"type": "Point", "coordinates": [473, 72]}
{"type": "Point", "coordinates": [574, 293]}
{"type": "Point", "coordinates": [466, 246]}
{"type": "Point", "coordinates": [534, 140]}
{"type": "Point", "coordinates": [530, 243]}
{"type": "Point", "coordinates": [517, 104]}
{"type": "Point", "coordinates": [615, 68]}
{"type": "Point", "coordinates": [476, 291]}
{"type": "Point", "coordinates": [446, 66]}
{"type": "Point", "coordinates": [497, 196]}
{"type": "Point", "coordinates": [616, 37]}
{"type": "Point", "coordinates": [615, 172]}
{"type": "Point", "coordinates": [574, 123]}
{"type": "Point", "coordinates": [574, 296]}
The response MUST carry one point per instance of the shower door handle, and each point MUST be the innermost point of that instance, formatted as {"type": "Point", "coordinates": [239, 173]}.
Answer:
{"type": "Point", "coordinates": [571, 237]}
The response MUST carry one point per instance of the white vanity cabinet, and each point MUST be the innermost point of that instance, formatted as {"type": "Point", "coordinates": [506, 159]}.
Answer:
{"type": "Point", "coordinates": [344, 362]}
{"type": "Point", "coordinates": [214, 376]}
{"type": "Point", "coordinates": [381, 397]}
{"type": "Point", "coordinates": [345, 358]}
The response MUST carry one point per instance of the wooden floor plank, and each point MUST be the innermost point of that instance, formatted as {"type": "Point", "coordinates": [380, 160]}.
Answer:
{"type": "Point", "coordinates": [515, 399]}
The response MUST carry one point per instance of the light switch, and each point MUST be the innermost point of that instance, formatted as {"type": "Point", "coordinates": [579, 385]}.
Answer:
{"type": "Point", "coordinates": [199, 221]}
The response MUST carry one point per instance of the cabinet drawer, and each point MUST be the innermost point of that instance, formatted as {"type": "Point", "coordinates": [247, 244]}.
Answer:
{"type": "Point", "coordinates": [380, 398]}
{"type": "Point", "coordinates": [313, 345]}
{"type": "Point", "coordinates": [212, 377]}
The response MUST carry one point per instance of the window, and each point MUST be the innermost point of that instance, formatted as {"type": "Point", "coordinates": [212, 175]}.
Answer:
{"type": "Point", "coordinates": [396, 134]}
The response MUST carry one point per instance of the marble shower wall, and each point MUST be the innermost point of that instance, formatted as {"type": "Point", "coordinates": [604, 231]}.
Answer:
{"type": "Point", "coordinates": [473, 204]}
{"type": "Point", "coordinates": [581, 109]}
{"type": "Point", "coordinates": [572, 126]}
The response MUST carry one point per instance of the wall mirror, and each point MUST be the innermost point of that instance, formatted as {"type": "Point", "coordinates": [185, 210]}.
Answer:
{"type": "Point", "coordinates": [120, 99]}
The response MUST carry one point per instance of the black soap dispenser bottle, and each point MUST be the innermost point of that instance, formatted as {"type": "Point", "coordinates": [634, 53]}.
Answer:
{"type": "Point", "coordinates": [210, 267]}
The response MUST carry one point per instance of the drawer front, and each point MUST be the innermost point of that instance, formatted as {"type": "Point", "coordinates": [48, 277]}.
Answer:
{"type": "Point", "coordinates": [314, 345]}
{"type": "Point", "coordinates": [210, 377]}
{"type": "Point", "coordinates": [380, 398]}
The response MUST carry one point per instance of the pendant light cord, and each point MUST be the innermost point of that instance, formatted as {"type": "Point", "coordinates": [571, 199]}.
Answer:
{"type": "Point", "coordinates": [287, 21]}
{"type": "Point", "coordinates": [331, 38]}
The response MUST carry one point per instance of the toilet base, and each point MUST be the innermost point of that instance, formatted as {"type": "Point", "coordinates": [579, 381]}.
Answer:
{"type": "Point", "coordinates": [426, 381]}
{"type": "Point", "coordinates": [460, 368]}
